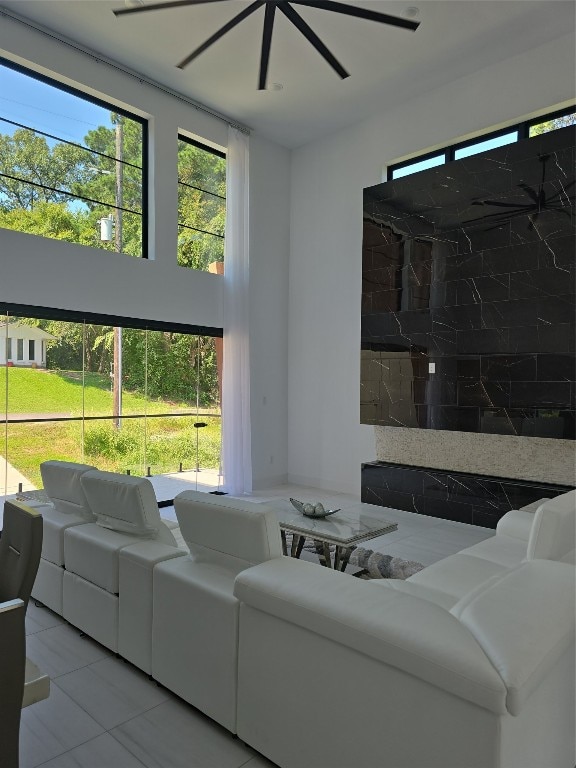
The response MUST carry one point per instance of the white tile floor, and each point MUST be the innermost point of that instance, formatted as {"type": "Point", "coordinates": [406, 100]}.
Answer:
{"type": "Point", "coordinates": [104, 713]}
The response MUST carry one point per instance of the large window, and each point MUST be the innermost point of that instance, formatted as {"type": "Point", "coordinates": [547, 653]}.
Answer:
{"type": "Point", "coordinates": [483, 143]}
{"type": "Point", "coordinates": [139, 399]}
{"type": "Point", "coordinates": [201, 205]}
{"type": "Point", "coordinates": [71, 167]}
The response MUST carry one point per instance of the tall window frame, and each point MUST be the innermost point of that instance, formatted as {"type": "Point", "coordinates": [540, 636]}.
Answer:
{"type": "Point", "coordinates": [213, 192]}
{"type": "Point", "coordinates": [144, 153]}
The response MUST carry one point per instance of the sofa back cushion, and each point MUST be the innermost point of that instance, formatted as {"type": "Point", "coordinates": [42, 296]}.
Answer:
{"type": "Point", "coordinates": [61, 481]}
{"type": "Point", "coordinates": [228, 531]}
{"type": "Point", "coordinates": [553, 532]}
{"type": "Point", "coordinates": [125, 504]}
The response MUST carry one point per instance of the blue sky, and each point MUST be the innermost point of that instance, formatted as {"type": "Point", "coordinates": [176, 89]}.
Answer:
{"type": "Point", "coordinates": [31, 102]}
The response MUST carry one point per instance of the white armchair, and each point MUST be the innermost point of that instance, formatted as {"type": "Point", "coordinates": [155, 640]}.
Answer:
{"type": "Point", "coordinates": [195, 623]}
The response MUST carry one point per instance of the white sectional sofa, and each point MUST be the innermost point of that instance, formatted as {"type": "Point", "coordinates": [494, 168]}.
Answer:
{"type": "Point", "coordinates": [467, 664]}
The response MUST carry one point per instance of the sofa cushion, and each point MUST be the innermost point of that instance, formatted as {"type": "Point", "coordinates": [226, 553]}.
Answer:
{"type": "Point", "coordinates": [458, 574]}
{"type": "Point", "coordinates": [524, 621]}
{"type": "Point", "coordinates": [228, 531]}
{"type": "Point", "coordinates": [61, 481]}
{"type": "Point", "coordinates": [55, 523]}
{"type": "Point", "coordinates": [553, 531]}
{"type": "Point", "coordinates": [502, 550]}
{"type": "Point", "coordinates": [126, 504]}
{"type": "Point", "coordinates": [418, 590]}
{"type": "Point", "coordinates": [91, 551]}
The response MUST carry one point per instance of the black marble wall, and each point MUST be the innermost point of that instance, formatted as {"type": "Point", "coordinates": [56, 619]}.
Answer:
{"type": "Point", "coordinates": [468, 298]}
{"type": "Point", "coordinates": [459, 496]}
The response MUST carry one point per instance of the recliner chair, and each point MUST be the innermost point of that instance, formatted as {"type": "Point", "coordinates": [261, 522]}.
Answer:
{"type": "Point", "coordinates": [61, 481]}
{"type": "Point", "coordinates": [195, 613]}
{"type": "Point", "coordinates": [109, 563]}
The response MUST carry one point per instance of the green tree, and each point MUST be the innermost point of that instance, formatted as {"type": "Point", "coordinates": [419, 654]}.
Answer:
{"type": "Point", "coordinates": [26, 160]}
{"type": "Point", "coordinates": [50, 219]}
{"type": "Point", "coordinates": [552, 125]}
{"type": "Point", "coordinates": [201, 206]}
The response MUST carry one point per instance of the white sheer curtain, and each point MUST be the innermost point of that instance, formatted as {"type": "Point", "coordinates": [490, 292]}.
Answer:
{"type": "Point", "coordinates": [236, 443]}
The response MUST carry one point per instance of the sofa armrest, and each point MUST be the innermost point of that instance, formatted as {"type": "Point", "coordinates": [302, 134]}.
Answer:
{"type": "Point", "coordinates": [398, 629]}
{"type": "Point", "coordinates": [517, 524]}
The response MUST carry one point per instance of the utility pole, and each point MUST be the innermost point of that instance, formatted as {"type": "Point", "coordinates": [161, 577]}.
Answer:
{"type": "Point", "coordinates": [119, 194]}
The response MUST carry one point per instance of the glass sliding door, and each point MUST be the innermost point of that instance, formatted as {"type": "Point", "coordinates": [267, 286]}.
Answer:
{"type": "Point", "coordinates": [136, 400]}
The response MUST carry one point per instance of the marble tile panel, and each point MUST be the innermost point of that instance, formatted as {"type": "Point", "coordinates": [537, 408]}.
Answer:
{"type": "Point", "coordinates": [542, 282]}
{"type": "Point", "coordinates": [102, 752]}
{"type": "Point", "coordinates": [538, 393]}
{"type": "Point", "coordinates": [482, 290]}
{"type": "Point", "coordinates": [512, 258]}
{"type": "Point", "coordinates": [53, 726]}
{"type": "Point", "coordinates": [112, 691]}
{"type": "Point", "coordinates": [556, 253]}
{"type": "Point", "coordinates": [177, 735]}
{"type": "Point", "coordinates": [484, 393]}
{"type": "Point", "coordinates": [61, 649]}
{"type": "Point", "coordinates": [486, 341]}
{"type": "Point", "coordinates": [552, 367]}
{"type": "Point", "coordinates": [508, 368]}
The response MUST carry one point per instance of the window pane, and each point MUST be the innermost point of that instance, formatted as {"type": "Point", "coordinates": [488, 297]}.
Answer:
{"type": "Point", "coordinates": [552, 125]}
{"type": "Point", "coordinates": [66, 163]}
{"type": "Point", "coordinates": [485, 145]}
{"type": "Point", "coordinates": [20, 349]}
{"type": "Point", "coordinates": [31, 351]}
{"type": "Point", "coordinates": [420, 165]}
{"type": "Point", "coordinates": [201, 206]}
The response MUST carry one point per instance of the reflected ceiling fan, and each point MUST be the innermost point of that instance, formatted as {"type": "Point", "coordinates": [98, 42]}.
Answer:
{"type": "Point", "coordinates": [537, 202]}
{"type": "Point", "coordinates": [286, 7]}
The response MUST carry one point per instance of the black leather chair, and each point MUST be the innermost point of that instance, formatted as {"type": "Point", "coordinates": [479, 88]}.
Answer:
{"type": "Point", "coordinates": [20, 549]}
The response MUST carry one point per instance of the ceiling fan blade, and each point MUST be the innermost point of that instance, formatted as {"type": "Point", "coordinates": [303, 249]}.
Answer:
{"type": "Point", "coordinates": [497, 204]}
{"type": "Point", "coordinates": [532, 194]}
{"type": "Point", "coordinates": [360, 13]}
{"type": "Point", "coordinates": [312, 38]}
{"type": "Point", "coordinates": [221, 32]}
{"type": "Point", "coordinates": [266, 43]}
{"type": "Point", "coordinates": [160, 6]}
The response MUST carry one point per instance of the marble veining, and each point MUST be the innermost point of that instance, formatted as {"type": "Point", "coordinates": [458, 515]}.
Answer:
{"type": "Point", "coordinates": [461, 497]}
{"type": "Point", "coordinates": [470, 268]}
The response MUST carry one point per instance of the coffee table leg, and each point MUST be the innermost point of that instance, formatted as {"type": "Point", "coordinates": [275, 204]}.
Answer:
{"type": "Point", "coordinates": [284, 545]}
{"type": "Point", "coordinates": [342, 557]}
{"type": "Point", "coordinates": [323, 552]}
{"type": "Point", "coordinates": [300, 546]}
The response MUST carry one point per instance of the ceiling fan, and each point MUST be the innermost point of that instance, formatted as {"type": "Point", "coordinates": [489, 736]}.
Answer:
{"type": "Point", "coordinates": [286, 7]}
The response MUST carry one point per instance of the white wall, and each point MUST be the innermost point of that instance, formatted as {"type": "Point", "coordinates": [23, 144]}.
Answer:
{"type": "Point", "coordinates": [326, 441]}
{"type": "Point", "coordinates": [51, 273]}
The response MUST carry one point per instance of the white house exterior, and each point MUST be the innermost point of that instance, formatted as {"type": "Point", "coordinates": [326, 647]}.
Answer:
{"type": "Point", "coordinates": [23, 345]}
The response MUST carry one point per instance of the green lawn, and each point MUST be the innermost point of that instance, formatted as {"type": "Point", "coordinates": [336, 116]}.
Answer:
{"type": "Point", "coordinates": [161, 443]}
{"type": "Point", "coordinates": [38, 391]}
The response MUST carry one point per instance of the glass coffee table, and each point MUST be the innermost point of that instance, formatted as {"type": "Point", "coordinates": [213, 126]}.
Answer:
{"type": "Point", "coordinates": [344, 530]}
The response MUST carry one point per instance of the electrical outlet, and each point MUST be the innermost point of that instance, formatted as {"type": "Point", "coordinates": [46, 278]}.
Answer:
{"type": "Point", "coordinates": [431, 367]}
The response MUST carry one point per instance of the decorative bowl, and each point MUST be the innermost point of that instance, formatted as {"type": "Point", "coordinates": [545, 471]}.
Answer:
{"type": "Point", "coordinates": [308, 510]}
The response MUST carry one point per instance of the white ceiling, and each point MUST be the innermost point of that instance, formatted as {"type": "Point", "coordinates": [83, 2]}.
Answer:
{"type": "Point", "coordinates": [387, 65]}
